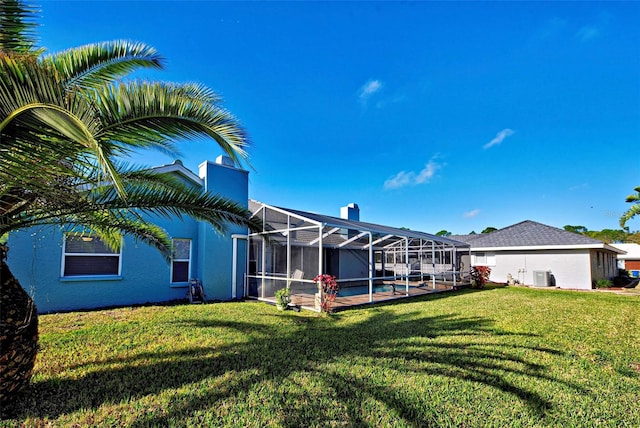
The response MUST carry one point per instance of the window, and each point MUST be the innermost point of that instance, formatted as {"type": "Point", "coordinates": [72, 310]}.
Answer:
{"type": "Point", "coordinates": [181, 260]}
{"type": "Point", "coordinates": [88, 255]}
{"type": "Point", "coordinates": [485, 259]}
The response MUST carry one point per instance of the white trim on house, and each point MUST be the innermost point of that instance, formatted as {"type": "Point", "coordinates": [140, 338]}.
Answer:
{"type": "Point", "coordinates": [179, 168]}
{"type": "Point", "coordinates": [90, 237]}
{"type": "Point", "coordinates": [181, 260]}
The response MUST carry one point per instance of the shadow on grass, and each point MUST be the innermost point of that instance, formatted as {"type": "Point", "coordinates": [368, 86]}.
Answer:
{"type": "Point", "coordinates": [410, 345]}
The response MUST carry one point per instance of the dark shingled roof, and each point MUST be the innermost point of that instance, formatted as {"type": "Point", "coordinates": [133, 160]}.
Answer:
{"type": "Point", "coordinates": [526, 234]}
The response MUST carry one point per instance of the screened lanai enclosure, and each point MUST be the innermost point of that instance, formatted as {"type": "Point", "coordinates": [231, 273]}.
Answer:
{"type": "Point", "coordinates": [370, 262]}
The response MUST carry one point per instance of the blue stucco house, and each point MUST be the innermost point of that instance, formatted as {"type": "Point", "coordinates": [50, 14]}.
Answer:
{"type": "Point", "coordinates": [69, 271]}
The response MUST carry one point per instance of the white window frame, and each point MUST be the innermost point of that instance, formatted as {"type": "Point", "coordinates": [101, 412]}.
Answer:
{"type": "Point", "coordinates": [488, 259]}
{"type": "Point", "coordinates": [182, 260]}
{"type": "Point", "coordinates": [84, 236]}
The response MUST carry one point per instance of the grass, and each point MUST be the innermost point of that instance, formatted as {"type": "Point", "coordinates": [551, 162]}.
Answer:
{"type": "Point", "coordinates": [504, 356]}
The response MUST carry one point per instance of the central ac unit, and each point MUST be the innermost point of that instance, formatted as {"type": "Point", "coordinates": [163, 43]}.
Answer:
{"type": "Point", "coordinates": [541, 278]}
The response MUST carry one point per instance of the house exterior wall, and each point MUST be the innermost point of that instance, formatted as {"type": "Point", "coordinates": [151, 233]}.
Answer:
{"type": "Point", "coordinates": [569, 268]}
{"type": "Point", "coordinates": [216, 249]}
{"type": "Point", "coordinates": [36, 255]}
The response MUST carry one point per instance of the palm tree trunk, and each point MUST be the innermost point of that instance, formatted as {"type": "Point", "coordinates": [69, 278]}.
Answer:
{"type": "Point", "coordinates": [18, 335]}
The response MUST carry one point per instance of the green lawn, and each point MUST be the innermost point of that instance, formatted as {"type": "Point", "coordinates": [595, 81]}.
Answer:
{"type": "Point", "coordinates": [498, 357]}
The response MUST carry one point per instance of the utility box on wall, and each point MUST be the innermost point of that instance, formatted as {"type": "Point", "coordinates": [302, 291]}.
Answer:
{"type": "Point", "coordinates": [541, 278]}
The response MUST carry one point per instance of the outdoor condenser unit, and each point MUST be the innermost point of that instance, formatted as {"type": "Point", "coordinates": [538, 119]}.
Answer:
{"type": "Point", "coordinates": [541, 278]}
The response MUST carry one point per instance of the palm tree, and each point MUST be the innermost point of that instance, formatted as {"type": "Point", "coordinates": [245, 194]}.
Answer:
{"type": "Point", "coordinates": [73, 118]}
{"type": "Point", "coordinates": [635, 208]}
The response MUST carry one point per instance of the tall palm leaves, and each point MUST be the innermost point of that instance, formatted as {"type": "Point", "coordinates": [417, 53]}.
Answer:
{"type": "Point", "coordinates": [18, 26]}
{"type": "Point", "coordinates": [66, 120]}
{"type": "Point", "coordinates": [60, 117]}
{"type": "Point", "coordinates": [635, 208]}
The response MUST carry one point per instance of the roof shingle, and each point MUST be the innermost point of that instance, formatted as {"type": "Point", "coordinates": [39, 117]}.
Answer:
{"type": "Point", "coordinates": [526, 234]}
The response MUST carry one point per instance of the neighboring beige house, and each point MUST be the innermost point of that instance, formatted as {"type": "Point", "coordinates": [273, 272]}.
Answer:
{"type": "Point", "coordinates": [536, 254]}
{"type": "Point", "coordinates": [631, 260]}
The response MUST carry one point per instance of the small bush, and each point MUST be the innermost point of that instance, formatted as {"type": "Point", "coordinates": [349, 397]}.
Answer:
{"type": "Point", "coordinates": [604, 283]}
{"type": "Point", "coordinates": [282, 297]}
{"type": "Point", "coordinates": [328, 291]}
{"type": "Point", "coordinates": [479, 276]}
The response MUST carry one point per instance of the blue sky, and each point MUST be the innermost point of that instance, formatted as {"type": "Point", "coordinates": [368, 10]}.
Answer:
{"type": "Point", "coordinates": [428, 115]}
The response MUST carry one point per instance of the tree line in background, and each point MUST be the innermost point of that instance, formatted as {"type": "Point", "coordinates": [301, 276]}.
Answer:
{"type": "Point", "coordinates": [606, 235]}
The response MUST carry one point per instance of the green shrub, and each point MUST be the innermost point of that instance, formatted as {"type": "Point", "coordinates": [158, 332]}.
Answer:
{"type": "Point", "coordinates": [604, 283]}
{"type": "Point", "coordinates": [282, 298]}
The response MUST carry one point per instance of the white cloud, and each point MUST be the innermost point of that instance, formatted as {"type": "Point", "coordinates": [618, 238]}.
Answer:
{"type": "Point", "coordinates": [401, 179]}
{"type": "Point", "coordinates": [471, 214]}
{"type": "Point", "coordinates": [428, 172]}
{"type": "Point", "coordinates": [411, 178]}
{"type": "Point", "coordinates": [499, 138]}
{"type": "Point", "coordinates": [368, 89]}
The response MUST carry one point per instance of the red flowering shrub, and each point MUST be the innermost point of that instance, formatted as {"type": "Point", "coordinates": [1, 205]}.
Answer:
{"type": "Point", "coordinates": [328, 291]}
{"type": "Point", "coordinates": [479, 276]}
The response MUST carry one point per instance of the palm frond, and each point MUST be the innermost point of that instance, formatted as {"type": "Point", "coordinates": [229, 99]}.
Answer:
{"type": "Point", "coordinates": [145, 115]}
{"type": "Point", "coordinates": [629, 214]}
{"type": "Point", "coordinates": [160, 196]}
{"type": "Point", "coordinates": [148, 196]}
{"type": "Point", "coordinates": [110, 226]}
{"type": "Point", "coordinates": [40, 116]}
{"type": "Point", "coordinates": [634, 198]}
{"type": "Point", "coordinates": [93, 65]}
{"type": "Point", "coordinates": [17, 26]}
{"type": "Point", "coordinates": [65, 120]}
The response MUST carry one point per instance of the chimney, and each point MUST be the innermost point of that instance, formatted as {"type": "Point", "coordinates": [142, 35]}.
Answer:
{"type": "Point", "coordinates": [350, 212]}
{"type": "Point", "coordinates": [225, 160]}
